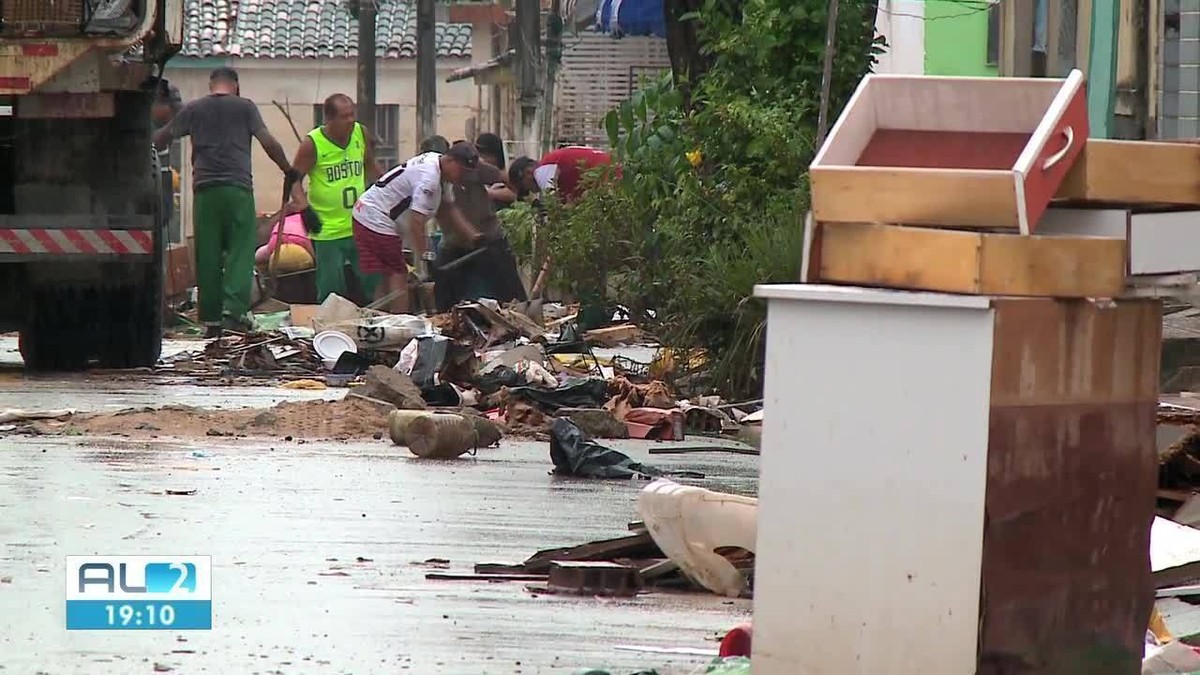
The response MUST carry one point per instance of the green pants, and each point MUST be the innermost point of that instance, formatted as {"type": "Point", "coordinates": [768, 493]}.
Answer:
{"type": "Point", "coordinates": [332, 257]}
{"type": "Point", "coordinates": [226, 236]}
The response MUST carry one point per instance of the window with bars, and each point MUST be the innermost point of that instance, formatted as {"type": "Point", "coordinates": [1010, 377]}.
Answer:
{"type": "Point", "coordinates": [386, 130]}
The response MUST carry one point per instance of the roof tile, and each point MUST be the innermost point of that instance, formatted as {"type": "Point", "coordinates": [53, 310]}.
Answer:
{"type": "Point", "coordinates": [307, 29]}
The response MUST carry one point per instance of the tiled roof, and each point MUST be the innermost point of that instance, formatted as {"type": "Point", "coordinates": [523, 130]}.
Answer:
{"type": "Point", "coordinates": [307, 29]}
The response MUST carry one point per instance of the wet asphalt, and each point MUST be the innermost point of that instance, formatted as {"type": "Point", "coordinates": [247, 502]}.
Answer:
{"type": "Point", "coordinates": [318, 548]}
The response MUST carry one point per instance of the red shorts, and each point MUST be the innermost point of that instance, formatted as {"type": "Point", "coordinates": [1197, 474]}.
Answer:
{"type": "Point", "coordinates": [379, 253]}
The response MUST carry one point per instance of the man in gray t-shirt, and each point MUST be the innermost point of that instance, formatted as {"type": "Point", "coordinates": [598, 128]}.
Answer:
{"type": "Point", "coordinates": [221, 126]}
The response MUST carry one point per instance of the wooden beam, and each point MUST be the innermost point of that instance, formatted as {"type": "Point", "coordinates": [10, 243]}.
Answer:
{"type": "Point", "coordinates": [975, 263]}
{"type": "Point", "coordinates": [1016, 37]}
{"type": "Point", "coordinates": [1135, 172]}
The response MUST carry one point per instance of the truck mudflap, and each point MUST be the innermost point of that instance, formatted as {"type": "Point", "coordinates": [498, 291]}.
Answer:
{"type": "Point", "coordinates": [24, 238]}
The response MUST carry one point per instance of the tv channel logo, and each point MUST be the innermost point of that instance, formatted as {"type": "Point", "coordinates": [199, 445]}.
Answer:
{"type": "Point", "coordinates": [166, 592]}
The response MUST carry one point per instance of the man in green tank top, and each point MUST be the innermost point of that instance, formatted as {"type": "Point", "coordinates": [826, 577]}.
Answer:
{"type": "Point", "coordinates": [339, 163]}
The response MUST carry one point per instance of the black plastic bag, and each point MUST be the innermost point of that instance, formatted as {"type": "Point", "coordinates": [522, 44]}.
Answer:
{"type": "Point", "coordinates": [574, 453]}
{"type": "Point", "coordinates": [431, 354]}
{"type": "Point", "coordinates": [584, 392]}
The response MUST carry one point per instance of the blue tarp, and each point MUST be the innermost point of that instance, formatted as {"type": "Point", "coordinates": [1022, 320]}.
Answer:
{"type": "Point", "coordinates": [631, 17]}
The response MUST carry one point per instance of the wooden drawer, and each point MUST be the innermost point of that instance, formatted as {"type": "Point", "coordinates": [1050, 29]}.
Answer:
{"type": "Point", "coordinates": [950, 151]}
{"type": "Point", "coordinates": [1135, 172]}
{"type": "Point", "coordinates": [1157, 243]}
{"type": "Point", "coordinates": [973, 263]}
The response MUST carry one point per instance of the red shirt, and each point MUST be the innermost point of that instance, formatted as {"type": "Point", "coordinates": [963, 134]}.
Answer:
{"type": "Point", "coordinates": [571, 163]}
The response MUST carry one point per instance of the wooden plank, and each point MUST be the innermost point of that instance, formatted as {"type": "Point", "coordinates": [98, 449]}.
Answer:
{"type": "Point", "coordinates": [1135, 172]}
{"type": "Point", "coordinates": [632, 546]}
{"type": "Point", "coordinates": [971, 262]}
{"type": "Point", "coordinates": [614, 335]}
{"type": "Point", "coordinates": [978, 199]}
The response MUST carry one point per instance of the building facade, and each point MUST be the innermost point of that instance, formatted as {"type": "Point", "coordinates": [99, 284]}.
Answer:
{"type": "Point", "coordinates": [292, 54]}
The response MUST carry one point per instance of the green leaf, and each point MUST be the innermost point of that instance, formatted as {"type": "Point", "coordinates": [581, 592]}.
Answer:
{"type": "Point", "coordinates": [613, 127]}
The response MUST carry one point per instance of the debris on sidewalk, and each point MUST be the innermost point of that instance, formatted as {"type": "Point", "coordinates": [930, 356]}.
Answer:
{"type": "Point", "coordinates": [595, 422]}
{"type": "Point", "coordinates": [635, 552]}
{"type": "Point", "coordinates": [386, 384]}
{"type": "Point", "coordinates": [483, 356]}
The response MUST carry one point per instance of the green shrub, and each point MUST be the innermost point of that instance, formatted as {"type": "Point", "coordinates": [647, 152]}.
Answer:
{"type": "Point", "coordinates": [682, 244]}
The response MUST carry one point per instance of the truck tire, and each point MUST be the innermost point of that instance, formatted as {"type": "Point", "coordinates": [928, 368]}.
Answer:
{"type": "Point", "coordinates": [56, 336]}
{"type": "Point", "coordinates": [132, 335]}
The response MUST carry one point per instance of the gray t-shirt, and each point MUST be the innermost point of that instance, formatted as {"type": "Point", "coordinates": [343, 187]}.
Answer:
{"type": "Point", "coordinates": [221, 127]}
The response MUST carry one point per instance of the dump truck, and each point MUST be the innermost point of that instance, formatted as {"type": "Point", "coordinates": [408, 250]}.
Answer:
{"type": "Point", "coordinates": [82, 221]}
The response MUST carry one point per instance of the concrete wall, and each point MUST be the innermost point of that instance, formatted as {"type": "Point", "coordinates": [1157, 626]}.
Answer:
{"type": "Point", "coordinates": [1179, 74]}
{"type": "Point", "coordinates": [301, 84]}
{"type": "Point", "coordinates": [902, 22]}
{"type": "Point", "coordinates": [956, 39]}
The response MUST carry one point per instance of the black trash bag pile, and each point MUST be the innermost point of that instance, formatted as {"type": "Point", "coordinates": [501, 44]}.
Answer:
{"type": "Point", "coordinates": [584, 392]}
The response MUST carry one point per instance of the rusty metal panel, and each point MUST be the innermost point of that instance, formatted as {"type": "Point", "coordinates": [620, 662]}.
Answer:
{"type": "Point", "coordinates": [1072, 472]}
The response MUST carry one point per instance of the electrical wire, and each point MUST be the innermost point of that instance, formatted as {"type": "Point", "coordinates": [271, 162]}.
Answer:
{"type": "Point", "coordinates": [977, 6]}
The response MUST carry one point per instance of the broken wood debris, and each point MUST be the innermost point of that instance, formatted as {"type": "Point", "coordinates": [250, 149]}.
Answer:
{"type": "Point", "coordinates": [595, 578]}
{"type": "Point", "coordinates": [604, 567]}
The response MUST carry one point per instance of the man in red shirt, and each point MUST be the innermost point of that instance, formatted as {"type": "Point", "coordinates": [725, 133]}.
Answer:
{"type": "Point", "coordinates": [560, 170]}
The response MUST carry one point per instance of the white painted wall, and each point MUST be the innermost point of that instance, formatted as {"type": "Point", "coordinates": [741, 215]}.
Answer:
{"type": "Point", "coordinates": [902, 22]}
{"type": "Point", "coordinates": [872, 481]}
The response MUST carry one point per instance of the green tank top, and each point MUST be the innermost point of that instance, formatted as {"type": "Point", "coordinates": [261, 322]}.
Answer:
{"type": "Point", "coordinates": [336, 181]}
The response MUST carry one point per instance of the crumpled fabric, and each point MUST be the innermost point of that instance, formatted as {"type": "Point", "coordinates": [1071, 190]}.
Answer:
{"type": "Point", "coordinates": [575, 454]}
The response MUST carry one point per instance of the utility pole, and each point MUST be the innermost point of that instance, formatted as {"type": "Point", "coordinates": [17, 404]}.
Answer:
{"type": "Point", "coordinates": [827, 73]}
{"type": "Point", "coordinates": [554, 50]}
{"type": "Point", "coordinates": [365, 12]}
{"type": "Point", "coordinates": [529, 69]}
{"type": "Point", "coordinates": [426, 70]}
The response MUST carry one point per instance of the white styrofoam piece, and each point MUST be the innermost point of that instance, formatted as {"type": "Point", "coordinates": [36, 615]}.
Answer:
{"type": "Point", "coordinates": [1159, 243]}
{"type": "Point", "coordinates": [870, 527]}
{"type": "Point", "coordinates": [1172, 545]}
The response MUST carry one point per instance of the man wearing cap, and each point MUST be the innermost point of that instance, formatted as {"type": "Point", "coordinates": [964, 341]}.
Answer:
{"type": "Point", "coordinates": [221, 126]}
{"type": "Point", "coordinates": [395, 209]}
{"type": "Point", "coordinates": [339, 163]}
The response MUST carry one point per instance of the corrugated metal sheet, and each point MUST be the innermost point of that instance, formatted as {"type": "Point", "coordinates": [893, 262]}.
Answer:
{"type": "Point", "coordinates": [1072, 474]}
{"type": "Point", "coordinates": [598, 73]}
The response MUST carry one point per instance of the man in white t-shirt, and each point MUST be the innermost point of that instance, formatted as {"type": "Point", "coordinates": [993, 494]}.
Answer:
{"type": "Point", "coordinates": [400, 203]}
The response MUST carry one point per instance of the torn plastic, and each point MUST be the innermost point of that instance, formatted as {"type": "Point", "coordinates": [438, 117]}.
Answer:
{"type": "Point", "coordinates": [575, 454]}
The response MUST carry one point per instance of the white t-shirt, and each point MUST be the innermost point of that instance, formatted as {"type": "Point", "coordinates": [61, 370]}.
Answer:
{"type": "Point", "coordinates": [545, 176]}
{"type": "Point", "coordinates": [415, 185]}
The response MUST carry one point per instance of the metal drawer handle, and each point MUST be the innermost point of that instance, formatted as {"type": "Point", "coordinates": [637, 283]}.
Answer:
{"type": "Point", "coordinates": [1058, 156]}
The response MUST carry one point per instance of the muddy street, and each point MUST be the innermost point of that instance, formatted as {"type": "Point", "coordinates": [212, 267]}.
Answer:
{"type": "Point", "coordinates": [319, 548]}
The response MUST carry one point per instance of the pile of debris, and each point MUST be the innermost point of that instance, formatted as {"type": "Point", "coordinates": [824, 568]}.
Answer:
{"type": "Point", "coordinates": [519, 371]}
{"type": "Point", "coordinates": [273, 354]}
